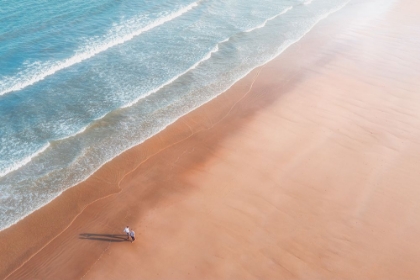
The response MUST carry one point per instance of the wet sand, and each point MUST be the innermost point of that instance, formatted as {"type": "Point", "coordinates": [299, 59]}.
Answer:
{"type": "Point", "coordinates": [308, 168]}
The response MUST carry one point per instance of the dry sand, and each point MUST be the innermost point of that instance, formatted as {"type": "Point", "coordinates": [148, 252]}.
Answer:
{"type": "Point", "coordinates": [308, 168]}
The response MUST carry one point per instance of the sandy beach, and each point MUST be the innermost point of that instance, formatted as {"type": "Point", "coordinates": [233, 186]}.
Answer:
{"type": "Point", "coordinates": [308, 168]}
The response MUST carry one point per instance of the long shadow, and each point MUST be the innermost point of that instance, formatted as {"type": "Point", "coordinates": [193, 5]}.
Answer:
{"type": "Point", "coordinates": [104, 237]}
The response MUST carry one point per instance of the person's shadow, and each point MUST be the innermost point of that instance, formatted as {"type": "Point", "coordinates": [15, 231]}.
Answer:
{"type": "Point", "coordinates": [104, 237]}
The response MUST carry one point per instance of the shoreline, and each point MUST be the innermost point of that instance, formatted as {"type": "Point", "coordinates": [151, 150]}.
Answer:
{"type": "Point", "coordinates": [181, 143]}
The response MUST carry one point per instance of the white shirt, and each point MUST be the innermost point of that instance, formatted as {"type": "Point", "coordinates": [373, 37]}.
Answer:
{"type": "Point", "coordinates": [127, 230]}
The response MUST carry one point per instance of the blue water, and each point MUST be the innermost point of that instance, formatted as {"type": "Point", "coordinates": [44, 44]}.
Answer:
{"type": "Point", "coordinates": [83, 81]}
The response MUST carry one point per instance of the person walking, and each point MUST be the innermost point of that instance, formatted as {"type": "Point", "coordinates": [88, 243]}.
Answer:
{"type": "Point", "coordinates": [132, 234]}
{"type": "Point", "coordinates": [127, 231]}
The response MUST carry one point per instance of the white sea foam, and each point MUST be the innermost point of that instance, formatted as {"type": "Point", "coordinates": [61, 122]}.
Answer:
{"type": "Point", "coordinates": [307, 2]}
{"type": "Point", "coordinates": [267, 20]}
{"type": "Point", "coordinates": [74, 134]}
{"type": "Point", "coordinates": [225, 40]}
{"type": "Point", "coordinates": [207, 56]}
{"type": "Point", "coordinates": [40, 71]}
{"type": "Point", "coordinates": [23, 162]}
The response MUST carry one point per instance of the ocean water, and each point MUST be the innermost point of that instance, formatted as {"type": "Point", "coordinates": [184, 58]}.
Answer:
{"type": "Point", "coordinates": [83, 81]}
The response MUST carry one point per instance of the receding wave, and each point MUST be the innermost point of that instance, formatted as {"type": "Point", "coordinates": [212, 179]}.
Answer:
{"type": "Point", "coordinates": [267, 20]}
{"type": "Point", "coordinates": [207, 56]}
{"type": "Point", "coordinates": [41, 71]}
{"type": "Point", "coordinates": [81, 130]}
{"type": "Point", "coordinates": [23, 162]}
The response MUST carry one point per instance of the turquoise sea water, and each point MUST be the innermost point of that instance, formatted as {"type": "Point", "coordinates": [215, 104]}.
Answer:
{"type": "Point", "coordinates": [83, 81]}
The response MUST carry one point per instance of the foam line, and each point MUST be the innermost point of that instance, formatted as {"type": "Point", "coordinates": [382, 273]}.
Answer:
{"type": "Point", "coordinates": [74, 134]}
{"type": "Point", "coordinates": [207, 56]}
{"type": "Point", "coordinates": [24, 161]}
{"type": "Point", "coordinates": [267, 20]}
{"type": "Point", "coordinates": [13, 84]}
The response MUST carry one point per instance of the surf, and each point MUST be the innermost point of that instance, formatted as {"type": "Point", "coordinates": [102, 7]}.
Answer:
{"type": "Point", "coordinates": [41, 70]}
{"type": "Point", "coordinates": [269, 19]}
{"type": "Point", "coordinates": [206, 57]}
{"type": "Point", "coordinates": [8, 169]}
